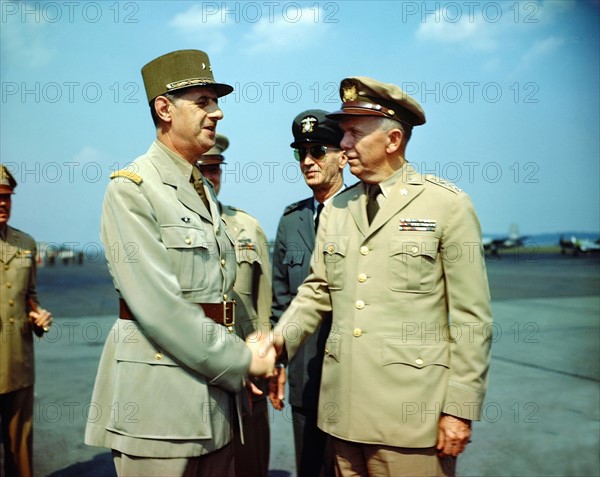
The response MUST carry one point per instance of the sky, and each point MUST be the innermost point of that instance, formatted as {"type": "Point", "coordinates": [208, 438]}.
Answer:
{"type": "Point", "coordinates": [510, 90]}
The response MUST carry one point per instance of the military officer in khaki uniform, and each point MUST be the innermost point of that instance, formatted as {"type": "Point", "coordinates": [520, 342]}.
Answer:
{"type": "Point", "coordinates": [398, 261]}
{"type": "Point", "coordinates": [317, 149]}
{"type": "Point", "coordinates": [164, 398]}
{"type": "Point", "coordinates": [252, 293]}
{"type": "Point", "coordinates": [20, 317]}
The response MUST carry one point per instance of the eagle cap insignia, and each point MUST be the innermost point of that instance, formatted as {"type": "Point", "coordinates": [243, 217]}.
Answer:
{"type": "Point", "coordinates": [308, 124]}
{"type": "Point", "coordinates": [349, 92]}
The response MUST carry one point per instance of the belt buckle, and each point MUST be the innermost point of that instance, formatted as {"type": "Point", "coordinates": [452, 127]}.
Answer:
{"type": "Point", "coordinates": [229, 322]}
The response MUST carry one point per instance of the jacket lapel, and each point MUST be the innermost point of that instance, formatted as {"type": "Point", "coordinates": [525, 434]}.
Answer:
{"type": "Point", "coordinates": [171, 176]}
{"type": "Point", "coordinates": [408, 186]}
{"type": "Point", "coordinates": [357, 206]}
{"type": "Point", "coordinates": [306, 224]}
{"type": "Point", "coordinates": [7, 249]}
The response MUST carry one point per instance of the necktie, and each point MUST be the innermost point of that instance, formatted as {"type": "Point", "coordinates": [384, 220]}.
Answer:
{"type": "Point", "coordinates": [198, 183]}
{"type": "Point", "coordinates": [319, 209]}
{"type": "Point", "coordinates": [373, 190]}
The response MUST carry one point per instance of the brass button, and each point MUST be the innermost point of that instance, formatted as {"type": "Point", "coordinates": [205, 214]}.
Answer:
{"type": "Point", "coordinates": [330, 249]}
{"type": "Point", "coordinates": [419, 361]}
{"type": "Point", "coordinates": [359, 304]}
{"type": "Point", "coordinates": [11, 320]}
{"type": "Point", "coordinates": [357, 332]}
{"type": "Point", "coordinates": [364, 250]}
{"type": "Point", "coordinates": [6, 266]}
{"type": "Point", "coordinates": [415, 249]}
{"type": "Point", "coordinates": [326, 350]}
{"type": "Point", "coordinates": [8, 285]}
{"type": "Point", "coordinates": [362, 277]}
{"type": "Point", "coordinates": [225, 297]}
{"type": "Point", "coordinates": [223, 262]}
{"type": "Point", "coordinates": [188, 240]}
{"type": "Point", "coordinates": [11, 302]}
{"type": "Point", "coordinates": [158, 356]}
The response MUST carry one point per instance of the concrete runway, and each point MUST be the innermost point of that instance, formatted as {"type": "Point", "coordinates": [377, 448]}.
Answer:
{"type": "Point", "coordinates": [541, 416]}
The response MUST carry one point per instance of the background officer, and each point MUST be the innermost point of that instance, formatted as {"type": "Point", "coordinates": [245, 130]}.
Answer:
{"type": "Point", "coordinates": [317, 150]}
{"type": "Point", "coordinates": [170, 368]}
{"type": "Point", "coordinates": [401, 267]}
{"type": "Point", "coordinates": [252, 293]}
{"type": "Point", "coordinates": [20, 316]}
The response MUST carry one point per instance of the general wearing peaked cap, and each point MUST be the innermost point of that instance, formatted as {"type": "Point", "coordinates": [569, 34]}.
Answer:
{"type": "Point", "coordinates": [178, 70]}
{"type": "Point", "coordinates": [363, 96]}
{"type": "Point", "coordinates": [313, 127]}
{"type": "Point", "coordinates": [215, 154]}
{"type": "Point", "coordinates": [7, 181]}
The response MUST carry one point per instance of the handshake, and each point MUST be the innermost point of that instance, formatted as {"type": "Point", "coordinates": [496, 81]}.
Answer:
{"type": "Point", "coordinates": [265, 348]}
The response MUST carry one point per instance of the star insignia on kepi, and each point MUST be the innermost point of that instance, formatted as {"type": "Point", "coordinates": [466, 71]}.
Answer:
{"type": "Point", "coordinates": [308, 124]}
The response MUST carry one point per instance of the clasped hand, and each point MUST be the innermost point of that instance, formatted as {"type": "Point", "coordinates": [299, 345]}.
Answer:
{"type": "Point", "coordinates": [263, 354]}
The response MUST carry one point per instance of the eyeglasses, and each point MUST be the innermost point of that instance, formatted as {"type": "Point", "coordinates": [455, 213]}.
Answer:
{"type": "Point", "coordinates": [316, 152]}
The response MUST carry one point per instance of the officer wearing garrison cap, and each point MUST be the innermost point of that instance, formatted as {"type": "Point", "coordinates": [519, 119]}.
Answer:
{"type": "Point", "coordinates": [252, 293]}
{"type": "Point", "coordinates": [20, 317]}
{"type": "Point", "coordinates": [165, 394]}
{"type": "Point", "coordinates": [321, 160]}
{"type": "Point", "coordinates": [398, 262]}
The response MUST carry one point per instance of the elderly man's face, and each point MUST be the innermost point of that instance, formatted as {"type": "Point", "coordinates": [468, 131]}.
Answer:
{"type": "Point", "coordinates": [324, 171]}
{"type": "Point", "coordinates": [5, 205]}
{"type": "Point", "coordinates": [194, 117]}
{"type": "Point", "coordinates": [365, 145]}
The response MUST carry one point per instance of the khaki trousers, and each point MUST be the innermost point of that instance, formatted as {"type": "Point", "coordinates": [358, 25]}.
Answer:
{"type": "Point", "coordinates": [16, 414]}
{"type": "Point", "coordinates": [218, 463]}
{"type": "Point", "coordinates": [353, 459]}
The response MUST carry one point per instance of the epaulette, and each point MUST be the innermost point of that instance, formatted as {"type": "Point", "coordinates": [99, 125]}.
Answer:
{"type": "Point", "coordinates": [132, 176]}
{"type": "Point", "coordinates": [292, 207]}
{"type": "Point", "coordinates": [237, 209]}
{"type": "Point", "coordinates": [443, 183]}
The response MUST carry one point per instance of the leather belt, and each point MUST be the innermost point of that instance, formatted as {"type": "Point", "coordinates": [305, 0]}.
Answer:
{"type": "Point", "coordinates": [221, 313]}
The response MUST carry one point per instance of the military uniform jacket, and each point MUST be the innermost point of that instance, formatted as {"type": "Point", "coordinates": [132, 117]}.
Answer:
{"type": "Point", "coordinates": [252, 287]}
{"type": "Point", "coordinates": [411, 324]}
{"type": "Point", "coordinates": [165, 380]}
{"type": "Point", "coordinates": [17, 286]}
{"type": "Point", "coordinates": [294, 245]}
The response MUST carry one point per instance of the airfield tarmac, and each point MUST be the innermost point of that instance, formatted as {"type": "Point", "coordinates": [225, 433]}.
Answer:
{"type": "Point", "coordinates": [542, 411]}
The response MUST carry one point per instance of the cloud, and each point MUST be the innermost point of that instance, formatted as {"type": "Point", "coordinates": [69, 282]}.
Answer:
{"type": "Point", "coordinates": [23, 42]}
{"type": "Point", "coordinates": [203, 24]}
{"type": "Point", "coordinates": [448, 25]}
{"type": "Point", "coordinates": [540, 49]}
{"type": "Point", "coordinates": [305, 28]}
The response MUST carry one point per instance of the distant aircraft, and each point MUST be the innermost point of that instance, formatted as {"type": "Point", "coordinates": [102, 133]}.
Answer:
{"type": "Point", "coordinates": [494, 245]}
{"type": "Point", "coordinates": [576, 246]}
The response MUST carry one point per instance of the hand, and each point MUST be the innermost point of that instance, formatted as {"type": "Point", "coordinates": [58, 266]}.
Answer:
{"type": "Point", "coordinates": [277, 388]}
{"type": "Point", "coordinates": [263, 355]}
{"type": "Point", "coordinates": [275, 340]}
{"type": "Point", "coordinates": [41, 318]}
{"type": "Point", "coordinates": [453, 435]}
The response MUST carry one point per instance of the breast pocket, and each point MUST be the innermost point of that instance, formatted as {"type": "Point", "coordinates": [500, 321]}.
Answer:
{"type": "Point", "coordinates": [189, 251]}
{"type": "Point", "coordinates": [414, 263]}
{"type": "Point", "coordinates": [335, 249]}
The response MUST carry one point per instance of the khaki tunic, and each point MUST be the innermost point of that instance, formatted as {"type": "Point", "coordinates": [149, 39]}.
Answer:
{"type": "Point", "coordinates": [17, 286]}
{"type": "Point", "coordinates": [411, 333]}
{"type": "Point", "coordinates": [165, 382]}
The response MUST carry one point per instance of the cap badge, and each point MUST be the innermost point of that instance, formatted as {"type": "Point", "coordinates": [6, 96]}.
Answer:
{"type": "Point", "coordinates": [308, 124]}
{"type": "Point", "coordinates": [349, 93]}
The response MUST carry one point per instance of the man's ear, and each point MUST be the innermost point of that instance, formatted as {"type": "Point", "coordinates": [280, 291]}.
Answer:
{"type": "Point", "coordinates": [394, 142]}
{"type": "Point", "coordinates": [162, 108]}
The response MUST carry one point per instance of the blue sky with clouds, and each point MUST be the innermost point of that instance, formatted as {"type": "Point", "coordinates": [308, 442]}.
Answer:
{"type": "Point", "coordinates": [510, 89]}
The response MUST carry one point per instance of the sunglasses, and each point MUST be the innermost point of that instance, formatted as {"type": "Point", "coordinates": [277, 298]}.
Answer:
{"type": "Point", "coordinates": [316, 152]}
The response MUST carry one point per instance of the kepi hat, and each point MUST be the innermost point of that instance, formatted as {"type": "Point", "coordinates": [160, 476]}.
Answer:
{"type": "Point", "coordinates": [178, 70]}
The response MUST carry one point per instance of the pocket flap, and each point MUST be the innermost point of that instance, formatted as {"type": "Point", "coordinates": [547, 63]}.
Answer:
{"type": "Point", "coordinates": [416, 355]}
{"type": "Point", "coordinates": [177, 236]}
{"type": "Point", "coordinates": [414, 246]}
